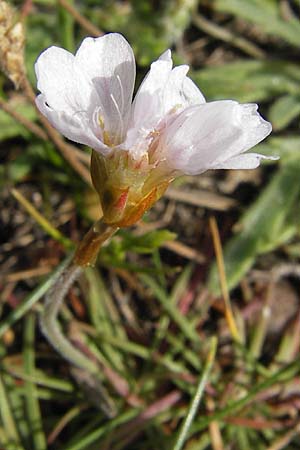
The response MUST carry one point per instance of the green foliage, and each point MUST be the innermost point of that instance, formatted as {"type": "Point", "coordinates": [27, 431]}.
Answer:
{"type": "Point", "coordinates": [147, 242]}
{"type": "Point", "coordinates": [283, 111]}
{"type": "Point", "coordinates": [249, 81]}
{"type": "Point", "coordinates": [115, 253]}
{"type": "Point", "coordinates": [264, 14]}
{"type": "Point", "coordinates": [270, 222]}
{"type": "Point", "coordinates": [150, 28]}
{"type": "Point", "coordinates": [286, 147]}
{"type": "Point", "coordinates": [10, 128]}
{"type": "Point", "coordinates": [43, 34]}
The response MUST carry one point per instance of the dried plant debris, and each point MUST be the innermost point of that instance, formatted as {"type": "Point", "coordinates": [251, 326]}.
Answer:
{"type": "Point", "coordinates": [12, 41]}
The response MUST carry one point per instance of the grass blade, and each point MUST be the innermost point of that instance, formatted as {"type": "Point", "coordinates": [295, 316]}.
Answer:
{"type": "Point", "coordinates": [183, 433]}
{"type": "Point", "coordinates": [31, 399]}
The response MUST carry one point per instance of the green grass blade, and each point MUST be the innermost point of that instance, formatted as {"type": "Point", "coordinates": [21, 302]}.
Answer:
{"type": "Point", "coordinates": [182, 322]}
{"type": "Point", "coordinates": [31, 400]}
{"type": "Point", "coordinates": [93, 436]}
{"type": "Point", "coordinates": [281, 376]}
{"type": "Point", "coordinates": [8, 419]}
{"type": "Point", "coordinates": [183, 433]}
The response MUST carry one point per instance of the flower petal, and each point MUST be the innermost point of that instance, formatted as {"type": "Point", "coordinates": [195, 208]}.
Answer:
{"type": "Point", "coordinates": [108, 65]}
{"type": "Point", "coordinates": [180, 91]}
{"type": "Point", "coordinates": [95, 85]}
{"type": "Point", "coordinates": [147, 105]}
{"type": "Point", "coordinates": [161, 95]}
{"type": "Point", "coordinates": [63, 86]}
{"type": "Point", "coordinates": [245, 161]}
{"type": "Point", "coordinates": [207, 135]}
{"type": "Point", "coordinates": [74, 127]}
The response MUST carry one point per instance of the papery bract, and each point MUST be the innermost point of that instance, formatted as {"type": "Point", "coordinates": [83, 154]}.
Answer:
{"type": "Point", "coordinates": [139, 147]}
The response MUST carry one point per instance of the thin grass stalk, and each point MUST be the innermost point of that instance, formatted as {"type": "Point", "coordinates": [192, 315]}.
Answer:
{"type": "Point", "coordinates": [183, 433]}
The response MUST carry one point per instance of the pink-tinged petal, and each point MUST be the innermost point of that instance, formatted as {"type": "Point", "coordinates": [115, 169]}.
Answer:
{"type": "Point", "coordinates": [208, 135]}
{"type": "Point", "coordinates": [74, 127]}
{"type": "Point", "coordinates": [162, 90]}
{"type": "Point", "coordinates": [108, 65]}
{"type": "Point", "coordinates": [162, 94]}
{"type": "Point", "coordinates": [245, 161]}
{"type": "Point", "coordinates": [147, 109]}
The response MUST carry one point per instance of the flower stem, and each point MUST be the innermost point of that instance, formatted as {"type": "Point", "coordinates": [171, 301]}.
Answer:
{"type": "Point", "coordinates": [85, 255]}
{"type": "Point", "coordinates": [49, 322]}
{"type": "Point", "coordinates": [88, 249]}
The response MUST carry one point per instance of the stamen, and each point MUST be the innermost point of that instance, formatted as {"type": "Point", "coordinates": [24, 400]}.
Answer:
{"type": "Point", "coordinates": [106, 139]}
{"type": "Point", "coordinates": [98, 120]}
{"type": "Point", "coordinates": [101, 121]}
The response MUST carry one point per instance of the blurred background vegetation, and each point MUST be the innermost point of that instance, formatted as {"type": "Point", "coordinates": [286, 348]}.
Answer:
{"type": "Point", "coordinates": [147, 311]}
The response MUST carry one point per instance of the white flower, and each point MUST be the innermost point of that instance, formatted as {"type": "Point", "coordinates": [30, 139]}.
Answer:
{"type": "Point", "coordinates": [88, 98]}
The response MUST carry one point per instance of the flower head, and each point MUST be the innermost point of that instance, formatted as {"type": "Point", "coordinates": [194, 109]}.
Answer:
{"type": "Point", "coordinates": [139, 147]}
